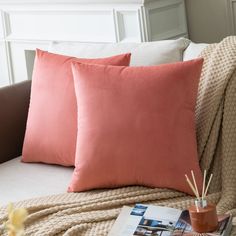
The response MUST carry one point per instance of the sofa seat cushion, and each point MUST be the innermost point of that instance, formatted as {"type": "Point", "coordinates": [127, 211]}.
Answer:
{"type": "Point", "coordinates": [20, 181]}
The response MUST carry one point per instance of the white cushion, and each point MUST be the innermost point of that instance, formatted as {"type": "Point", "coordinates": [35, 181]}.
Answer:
{"type": "Point", "coordinates": [193, 50]}
{"type": "Point", "coordinates": [143, 54]}
{"type": "Point", "coordinates": [20, 181]}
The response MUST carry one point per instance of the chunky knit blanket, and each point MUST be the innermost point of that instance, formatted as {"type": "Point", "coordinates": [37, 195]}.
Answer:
{"type": "Point", "coordinates": [93, 213]}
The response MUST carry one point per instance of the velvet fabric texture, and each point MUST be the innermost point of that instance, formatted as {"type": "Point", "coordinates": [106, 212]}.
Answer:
{"type": "Point", "coordinates": [52, 120]}
{"type": "Point", "coordinates": [136, 126]}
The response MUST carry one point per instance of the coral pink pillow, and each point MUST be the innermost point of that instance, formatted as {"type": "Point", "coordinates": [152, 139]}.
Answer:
{"type": "Point", "coordinates": [52, 121]}
{"type": "Point", "coordinates": [136, 126]}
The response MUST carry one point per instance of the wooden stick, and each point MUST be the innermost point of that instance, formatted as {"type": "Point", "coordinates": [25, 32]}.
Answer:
{"type": "Point", "coordinates": [191, 185]}
{"type": "Point", "coordinates": [208, 185]}
{"type": "Point", "coordinates": [195, 185]}
{"type": "Point", "coordinates": [203, 185]}
{"type": "Point", "coordinates": [196, 206]}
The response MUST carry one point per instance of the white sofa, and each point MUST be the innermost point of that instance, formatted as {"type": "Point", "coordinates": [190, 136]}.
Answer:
{"type": "Point", "coordinates": [19, 181]}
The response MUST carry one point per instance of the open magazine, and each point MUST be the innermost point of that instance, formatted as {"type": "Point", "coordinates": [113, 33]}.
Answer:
{"type": "Point", "coordinates": [149, 220]}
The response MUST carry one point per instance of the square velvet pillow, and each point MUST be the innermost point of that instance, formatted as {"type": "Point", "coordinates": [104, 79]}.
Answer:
{"type": "Point", "coordinates": [136, 126]}
{"type": "Point", "coordinates": [52, 120]}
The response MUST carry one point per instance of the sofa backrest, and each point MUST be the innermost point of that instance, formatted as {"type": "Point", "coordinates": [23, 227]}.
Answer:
{"type": "Point", "coordinates": [14, 104]}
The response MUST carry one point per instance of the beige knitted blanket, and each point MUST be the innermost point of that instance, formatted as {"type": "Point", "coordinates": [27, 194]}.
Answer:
{"type": "Point", "coordinates": [93, 213]}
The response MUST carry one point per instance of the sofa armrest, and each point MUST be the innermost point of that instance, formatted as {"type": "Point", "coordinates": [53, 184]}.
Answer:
{"type": "Point", "coordinates": [14, 104]}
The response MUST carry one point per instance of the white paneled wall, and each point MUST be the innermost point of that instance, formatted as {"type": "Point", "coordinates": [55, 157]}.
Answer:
{"type": "Point", "coordinates": [26, 25]}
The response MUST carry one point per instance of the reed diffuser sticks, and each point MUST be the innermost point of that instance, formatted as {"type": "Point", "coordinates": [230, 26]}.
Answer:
{"type": "Point", "coordinates": [194, 187]}
{"type": "Point", "coordinates": [205, 193]}
{"type": "Point", "coordinates": [203, 214]}
{"type": "Point", "coordinates": [203, 186]}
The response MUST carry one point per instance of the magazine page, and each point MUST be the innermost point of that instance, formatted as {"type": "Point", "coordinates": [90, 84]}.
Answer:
{"type": "Point", "coordinates": [125, 224]}
{"type": "Point", "coordinates": [146, 220]}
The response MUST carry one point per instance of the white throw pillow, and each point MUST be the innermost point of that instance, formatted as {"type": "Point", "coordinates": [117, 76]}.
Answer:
{"type": "Point", "coordinates": [143, 54]}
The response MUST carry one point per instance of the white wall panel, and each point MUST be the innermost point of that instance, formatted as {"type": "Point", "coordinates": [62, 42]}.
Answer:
{"type": "Point", "coordinates": [4, 73]}
{"type": "Point", "coordinates": [18, 52]}
{"type": "Point", "coordinates": [128, 26]}
{"type": "Point", "coordinates": [167, 20]}
{"type": "Point", "coordinates": [68, 25]}
{"type": "Point", "coordinates": [5, 76]}
{"type": "Point", "coordinates": [2, 25]}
